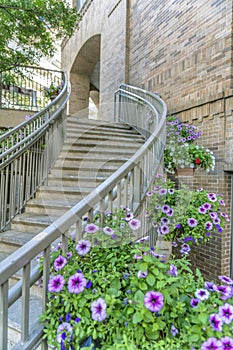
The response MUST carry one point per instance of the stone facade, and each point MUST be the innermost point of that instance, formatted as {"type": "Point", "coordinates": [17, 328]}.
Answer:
{"type": "Point", "coordinates": [183, 50]}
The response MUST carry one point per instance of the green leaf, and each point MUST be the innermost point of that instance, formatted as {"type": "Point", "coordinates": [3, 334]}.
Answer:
{"type": "Point", "coordinates": [137, 317]}
{"type": "Point", "coordinates": [150, 279]}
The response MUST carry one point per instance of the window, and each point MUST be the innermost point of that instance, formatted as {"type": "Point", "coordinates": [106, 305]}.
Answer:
{"type": "Point", "coordinates": [80, 4]}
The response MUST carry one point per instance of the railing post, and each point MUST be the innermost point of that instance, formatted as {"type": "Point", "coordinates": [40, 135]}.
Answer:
{"type": "Point", "coordinates": [4, 316]}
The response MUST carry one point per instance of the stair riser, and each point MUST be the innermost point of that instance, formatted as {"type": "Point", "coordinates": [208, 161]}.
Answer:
{"type": "Point", "coordinates": [60, 196]}
{"type": "Point", "coordinates": [33, 209]}
{"type": "Point", "coordinates": [85, 162]}
{"type": "Point", "coordinates": [87, 183]}
{"type": "Point", "coordinates": [28, 227]}
{"type": "Point", "coordinates": [83, 172]}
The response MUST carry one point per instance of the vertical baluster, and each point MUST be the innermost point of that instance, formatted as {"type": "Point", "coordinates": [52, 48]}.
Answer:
{"type": "Point", "coordinates": [4, 316]}
{"type": "Point", "coordinates": [119, 194]}
{"type": "Point", "coordinates": [78, 230]}
{"type": "Point", "coordinates": [125, 190]}
{"type": "Point", "coordinates": [25, 303]}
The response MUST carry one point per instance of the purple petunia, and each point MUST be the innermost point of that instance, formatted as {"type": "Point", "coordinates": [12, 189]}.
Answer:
{"type": "Point", "coordinates": [174, 330]}
{"type": "Point", "coordinates": [226, 291]}
{"type": "Point", "coordinates": [91, 228]}
{"type": "Point", "coordinates": [170, 212]}
{"type": "Point", "coordinates": [59, 262]}
{"type": "Point", "coordinates": [221, 202]}
{"type": "Point", "coordinates": [163, 191]}
{"type": "Point", "coordinates": [213, 215]}
{"type": "Point", "coordinates": [226, 279]}
{"type": "Point", "coordinates": [128, 217]}
{"type": "Point", "coordinates": [77, 283]}
{"type": "Point", "coordinates": [83, 247]}
{"type": "Point", "coordinates": [212, 197]}
{"type": "Point", "coordinates": [164, 229]}
{"type": "Point", "coordinates": [226, 313]}
{"type": "Point", "coordinates": [227, 343]}
{"type": "Point", "coordinates": [98, 309]}
{"type": "Point", "coordinates": [192, 222]}
{"type": "Point", "coordinates": [62, 331]}
{"type": "Point", "coordinates": [108, 230]}
{"type": "Point", "coordinates": [185, 248]}
{"type": "Point", "coordinates": [154, 301]}
{"type": "Point", "coordinates": [56, 284]}
{"type": "Point", "coordinates": [202, 210]}
{"type": "Point", "coordinates": [208, 226]}
{"type": "Point", "coordinates": [216, 322]}
{"type": "Point", "coordinates": [134, 224]}
{"type": "Point", "coordinates": [173, 271]}
{"type": "Point", "coordinates": [171, 191]}
{"type": "Point", "coordinates": [142, 274]}
{"type": "Point", "coordinates": [210, 286]}
{"type": "Point", "coordinates": [211, 344]}
{"type": "Point", "coordinates": [164, 220]}
{"type": "Point", "coordinates": [165, 208]}
{"type": "Point", "coordinates": [202, 294]}
{"type": "Point", "coordinates": [207, 206]}
{"type": "Point", "coordinates": [194, 302]}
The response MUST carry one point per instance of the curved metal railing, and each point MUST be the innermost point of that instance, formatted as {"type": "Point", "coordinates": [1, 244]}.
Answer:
{"type": "Point", "coordinates": [127, 186]}
{"type": "Point", "coordinates": [28, 151]}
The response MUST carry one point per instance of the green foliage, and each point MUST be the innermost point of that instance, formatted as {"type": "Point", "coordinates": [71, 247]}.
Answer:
{"type": "Point", "coordinates": [181, 151]}
{"type": "Point", "coordinates": [183, 215]}
{"type": "Point", "coordinates": [122, 276]}
{"type": "Point", "coordinates": [29, 29]}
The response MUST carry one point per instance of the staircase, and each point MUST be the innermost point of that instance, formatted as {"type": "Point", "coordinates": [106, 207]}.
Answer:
{"type": "Point", "coordinates": [92, 151]}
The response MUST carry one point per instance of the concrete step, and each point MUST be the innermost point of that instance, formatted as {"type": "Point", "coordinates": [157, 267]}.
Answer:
{"type": "Point", "coordinates": [76, 181]}
{"type": "Point", "coordinates": [83, 170]}
{"type": "Point", "coordinates": [77, 162]}
{"type": "Point", "coordinates": [48, 207]}
{"type": "Point", "coordinates": [62, 194]}
{"type": "Point", "coordinates": [11, 240]}
{"type": "Point", "coordinates": [102, 135]}
{"type": "Point", "coordinates": [34, 223]}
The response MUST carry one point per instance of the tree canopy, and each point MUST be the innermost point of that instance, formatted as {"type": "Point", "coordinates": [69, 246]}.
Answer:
{"type": "Point", "coordinates": [29, 28]}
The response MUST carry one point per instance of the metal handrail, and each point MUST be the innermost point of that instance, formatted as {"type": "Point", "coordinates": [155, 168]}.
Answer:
{"type": "Point", "coordinates": [28, 145]}
{"type": "Point", "coordinates": [127, 186]}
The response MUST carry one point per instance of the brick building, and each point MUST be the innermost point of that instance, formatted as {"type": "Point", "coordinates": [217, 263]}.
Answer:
{"type": "Point", "coordinates": [180, 48]}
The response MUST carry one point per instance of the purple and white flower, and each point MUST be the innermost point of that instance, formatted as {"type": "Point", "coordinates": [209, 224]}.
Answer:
{"type": "Point", "coordinates": [142, 274]}
{"type": "Point", "coordinates": [174, 330]}
{"type": "Point", "coordinates": [91, 228]}
{"type": "Point", "coordinates": [173, 271]}
{"type": "Point", "coordinates": [62, 330]}
{"type": "Point", "coordinates": [216, 322]}
{"type": "Point", "coordinates": [227, 343]}
{"type": "Point", "coordinates": [134, 224]}
{"type": "Point", "coordinates": [154, 301]}
{"type": "Point", "coordinates": [208, 226]}
{"type": "Point", "coordinates": [59, 262]}
{"type": "Point", "coordinates": [108, 230]}
{"type": "Point", "coordinates": [164, 229]}
{"type": "Point", "coordinates": [98, 309]}
{"type": "Point", "coordinates": [202, 294]}
{"type": "Point", "coordinates": [83, 247]}
{"type": "Point", "coordinates": [226, 313]}
{"type": "Point", "coordinates": [77, 283]}
{"type": "Point", "coordinates": [56, 284]}
{"type": "Point", "coordinates": [194, 302]}
{"type": "Point", "coordinates": [192, 222]}
{"type": "Point", "coordinates": [211, 344]}
{"type": "Point", "coordinates": [226, 279]}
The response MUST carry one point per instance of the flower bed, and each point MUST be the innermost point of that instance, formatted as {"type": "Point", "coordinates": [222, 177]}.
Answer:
{"type": "Point", "coordinates": [185, 216]}
{"type": "Point", "coordinates": [108, 296]}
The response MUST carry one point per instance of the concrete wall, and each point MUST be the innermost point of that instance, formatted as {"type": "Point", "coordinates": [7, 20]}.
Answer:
{"type": "Point", "coordinates": [11, 118]}
{"type": "Point", "coordinates": [106, 19]}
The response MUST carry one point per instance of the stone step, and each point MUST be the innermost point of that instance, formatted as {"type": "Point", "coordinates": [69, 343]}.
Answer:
{"type": "Point", "coordinates": [11, 240]}
{"type": "Point", "coordinates": [102, 135]}
{"type": "Point", "coordinates": [72, 131]}
{"type": "Point", "coordinates": [91, 123]}
{"type": "Point", "coordinates": [34, 223]}
{"type": "Point", "coordinates": [76, 152]}
{"type": "Point", "coordinates": [76, 181]}
{"type": "Point", "coordinates": [76, 162]}
{"type": "Point", "coordinates": [63, 194]}
{"type": "Point", "coordinates": [83, 170]}
{"type": "Point", "coordinates": [48, 207]}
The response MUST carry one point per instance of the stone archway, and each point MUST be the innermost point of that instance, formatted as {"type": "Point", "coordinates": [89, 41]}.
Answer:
{"type": "Point", "coordinates": [85, 76]}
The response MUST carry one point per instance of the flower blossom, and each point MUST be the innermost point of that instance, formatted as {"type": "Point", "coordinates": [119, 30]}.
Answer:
{"type": "Point", "coordinates": [77, 283]}
{"type": "Point", "coordinates": [211, 344]}
{"type": "Point", "coordinates": [62, 330]}
{"type": "Point", "coordinates": [134, 224]}
{"type": "Point", "coordinates": [83, 247]}
{"type": "Point", "coordinates": [91, 228]}
{"type": "Point", "coordinates": [226, 313]}
{"type": "Point", "coordinates": [154, 301]}
{"type": "Point", "coordinates": [216, 322]}
{"type": "Point", "coordinates": [56, 284]}
{"type": "Point", "coordinates": [202, 294]}
{"type": "Point", "coordinates": [98, 309]}
{"type": "Point", "coordinates": [59, 262]}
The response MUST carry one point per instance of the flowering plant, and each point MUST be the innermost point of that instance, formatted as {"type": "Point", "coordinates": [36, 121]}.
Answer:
{"type": "Point", "coordinates": [185, 215]}
{"type": "Point", "coordinates": [181, 151]}
{"type": "Point", "coordinates": [53, 90]}
{"type": "Point", "coordinates": [127, 297]}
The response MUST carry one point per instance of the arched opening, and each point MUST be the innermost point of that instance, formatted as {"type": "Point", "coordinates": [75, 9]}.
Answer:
{"type": "Point", "coordinates": [85, 79]}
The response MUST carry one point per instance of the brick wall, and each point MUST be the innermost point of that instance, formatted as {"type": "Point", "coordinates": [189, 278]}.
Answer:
{"type": "Point", "coordinates": [182, 49]}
